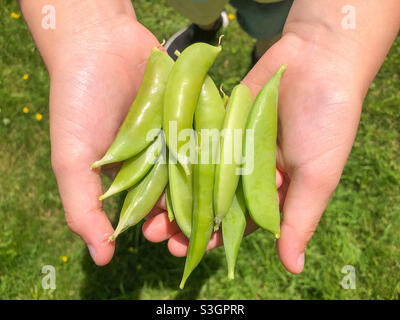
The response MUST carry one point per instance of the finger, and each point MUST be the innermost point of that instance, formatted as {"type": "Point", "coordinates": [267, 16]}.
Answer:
{"type": "Point", "coordinates": [153, 212]}
{"type": "Point", "coordinates": [159, 228]}
{"type": "Point", "coordinates": [178, 243]}
{"type": "Point", "coordinates": [79, 189]}
{"type": "Point", "coordinates": [306, 199]}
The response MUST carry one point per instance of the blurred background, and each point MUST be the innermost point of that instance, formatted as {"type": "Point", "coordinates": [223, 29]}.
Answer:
{"type": "Point", "coordinates": [361, 226]}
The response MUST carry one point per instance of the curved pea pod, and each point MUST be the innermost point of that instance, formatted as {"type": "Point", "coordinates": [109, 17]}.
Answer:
{"type": "Point", "coordinates": [182, 94]}
{"type": "Point", "coordinates": [142, 198]}
{"type": "Point", "coordinates": [208, 121]}
{"type": "Point", "coordinates": [228, 168]}
{"type": "Point", "coordinates": [259, 182]}
{"type": "Point", "coordinates": [168, 201]}
{"type": "Point", "coordinates": [134, 169]}
{"type": "Point", "coordinates": [233, 227]}
{"type": "Point", "coordinates": [181, 190]}
{"type": "Point", "coordinates": [145, 113]}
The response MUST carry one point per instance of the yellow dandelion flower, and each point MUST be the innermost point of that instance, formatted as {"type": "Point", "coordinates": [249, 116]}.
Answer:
{"type": "Point", "coordinates": [64, 258]}
{"type": "Point", "coordinates": [26, 76]}
{"type": "Point", "coordinates": [15, 15]}
{"type": "Point", "coordinates": [25, 110]}
{"type": "Point", "coordinates": [38, 116]}
{"type": "Point", "coordinates": [231, 16]}
{"type": "Point", "coordinates": [130, 249]}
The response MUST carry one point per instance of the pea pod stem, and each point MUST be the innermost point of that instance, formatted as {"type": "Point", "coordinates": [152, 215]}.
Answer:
{"type": "Point", "coordinates": [225, 97]}
{"type": "Point", "coordinates": [145, 113]}
{"type": "Point", "coordinates": [259, 185]}
{"type": "Point", "coordinates": [208, 119]}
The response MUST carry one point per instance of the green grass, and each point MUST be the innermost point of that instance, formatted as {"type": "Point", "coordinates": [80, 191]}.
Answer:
{"type": "Point", "coordinates": [361, 226]}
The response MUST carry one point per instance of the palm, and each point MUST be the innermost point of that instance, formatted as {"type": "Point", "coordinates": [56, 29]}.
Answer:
{"type": "Point", "coordinates": [319, 111]}
{"type": "Point", "coordinates": [315, 119]}
{"type": "Point", "coordinates": [89, 97]}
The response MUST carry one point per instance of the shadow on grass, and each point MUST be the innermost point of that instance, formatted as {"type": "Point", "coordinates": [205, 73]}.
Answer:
{"type": "Point", "coordinates": [139, 264]}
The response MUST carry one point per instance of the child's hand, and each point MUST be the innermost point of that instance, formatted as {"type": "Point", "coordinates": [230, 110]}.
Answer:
{"type": "Point", "coordinates": [91, 90]}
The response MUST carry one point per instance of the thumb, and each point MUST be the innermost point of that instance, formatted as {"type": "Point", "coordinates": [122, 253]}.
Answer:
{"type": "Point", "coordinates": [306, 199]}
{"type": "Point", "coordinates": [79, 190]}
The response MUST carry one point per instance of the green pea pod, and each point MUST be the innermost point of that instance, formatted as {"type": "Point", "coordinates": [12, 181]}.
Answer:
{"type": "Point", "coordinates": [209, 117]}
{"type": "Point", "coordinates": [181, 189]}
{"type": "Point", "coordinates": [168, 201]}
{"type": "Point", "coordinates": [142, 198]}
{"type": "Point", "coordinates": [233, 227]}
{"type": "Point", "coordinates": [259, 184]}
{"type": "Point", "coordinates": [227, 171]}
{"type": "Point", "coordinates": [182, 94]}
{"type": "Point", "coordinates": [134, 169]}
{"type": "Point", "coordinates": [145, 113]}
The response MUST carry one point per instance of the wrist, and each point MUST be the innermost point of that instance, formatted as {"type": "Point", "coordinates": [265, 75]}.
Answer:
{"type": "Point", "coordinates": [73, 21]}
{"type": "Point", "coordinates": [361, 48]}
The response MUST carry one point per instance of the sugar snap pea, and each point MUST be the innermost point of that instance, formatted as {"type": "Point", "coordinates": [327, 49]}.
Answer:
{"type": "Point", "coordinates": [142, 198]}
{"type": "Point", "coordinates": [233, 227]}
{"type": "Point", "coordinates": [227, 175]}
{"type": "Point", "coordinates": [181, 188]}
{"type": "Point", "coordinates": [209, 117]}
{"type": "Point", "coordinates": [259, 185]}
{"type": "Point", "coordinates": [168, 201]}
{"type": "Point", "coordinates": [145, 113]}
{"type": "Point", "coordinates": [134, 169]}
{"type": "Point", "coordinates": [182, 94]}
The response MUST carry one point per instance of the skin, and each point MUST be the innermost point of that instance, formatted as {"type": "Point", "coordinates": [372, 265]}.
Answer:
{"type": "Point", "coordinates": [259, 185]}
{"type": "Point", "coordinates": [182, 93]}
{"type": "Point", "coordinates": [145, 114]}
{"type": "Point", "coordinates": [209, 115]}
{"type": "Point", "coordinates": [100, 44]}
{"type": "Point", "coordinates": [134, 169]}
{"type": "Point", "coordinates": [226, 176]}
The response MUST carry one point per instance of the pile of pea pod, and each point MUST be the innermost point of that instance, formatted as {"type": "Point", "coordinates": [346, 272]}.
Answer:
{"type": "Point", "coordinates": [201, 193]}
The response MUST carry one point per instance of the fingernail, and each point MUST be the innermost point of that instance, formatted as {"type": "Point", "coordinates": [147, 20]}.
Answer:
{"type": "Point", "coordinates": [300, 261]}
{"type": "Point", "coordinates": [92, 252]}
